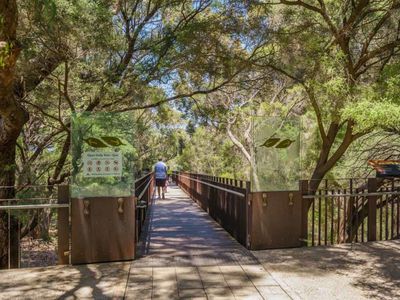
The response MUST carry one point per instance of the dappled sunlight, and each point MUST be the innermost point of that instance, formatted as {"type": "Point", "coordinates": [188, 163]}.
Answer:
{"type": "Point", "coordinates": [358, 270]}
{"type": "Point", "coordinates": [183, 253]}
{"type": "Point", "coordinates": [179, 232]}
{"type": "Point", "coordinates": [99, 281]}
{"type": "Point", "coordinates": [239, 281]}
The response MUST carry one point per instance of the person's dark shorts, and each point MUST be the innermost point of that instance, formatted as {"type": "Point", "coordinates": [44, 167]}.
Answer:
{"type": "Point", "coordinates": [160, 182]}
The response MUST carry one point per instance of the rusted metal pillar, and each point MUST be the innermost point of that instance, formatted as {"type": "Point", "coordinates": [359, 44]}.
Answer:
{"type": "Point", "coordinates": [63, 228]}
{"type": "Point", "coordinates": [248, 214]}
{"type": "Point", "coordinates": [304, 189]}
{"type": "Point", "coordinates": [14, 241]}
{"type": "Point", "coordinates": [372, 205]}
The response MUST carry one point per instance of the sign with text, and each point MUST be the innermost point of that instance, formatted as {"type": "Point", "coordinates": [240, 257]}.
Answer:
{"type": "Point", "coordinates": [102, 164]}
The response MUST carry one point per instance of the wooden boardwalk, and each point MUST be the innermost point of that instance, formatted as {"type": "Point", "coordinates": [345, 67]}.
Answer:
{"type": "Point", "coordinates": [185, 255]}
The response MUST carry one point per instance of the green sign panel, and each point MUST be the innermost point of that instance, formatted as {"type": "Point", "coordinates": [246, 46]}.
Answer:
{"type": "Point", "coordinates": [276, 154]}
{"type": "Point", "coordinates": [103, 155]}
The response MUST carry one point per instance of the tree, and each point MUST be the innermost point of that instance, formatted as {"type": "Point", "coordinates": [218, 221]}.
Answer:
{"type": "Point", "coordinates": [125, 55]}
{"type": "Point", "coordinates": [334, 50]}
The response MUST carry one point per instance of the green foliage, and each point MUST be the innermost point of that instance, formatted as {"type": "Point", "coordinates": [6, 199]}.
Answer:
{"type": "Point", "coordinates": [5, 51]}
{"type": "Point", "coordinates": [98, 56]}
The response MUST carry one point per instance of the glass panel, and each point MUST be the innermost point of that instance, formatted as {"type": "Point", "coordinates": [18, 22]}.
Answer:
{"type": "Point", "coordinates": [103, 155]}
{"type": "Point", "coordinates": [276, 154]}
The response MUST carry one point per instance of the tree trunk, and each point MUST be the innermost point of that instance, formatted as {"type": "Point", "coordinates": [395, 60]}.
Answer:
{"type": "Point", "coordinates": [327, 160]}
{"type": "Point", "coordinates": [12, 119]}
{"type": "Point", "coordinates": [9, 229]}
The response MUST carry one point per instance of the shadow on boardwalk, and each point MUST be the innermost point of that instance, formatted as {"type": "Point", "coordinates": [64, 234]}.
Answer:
{"type": "Point", "coordinates": [186, 255]}
{"type": "Point", "coordinates": [179, 233]}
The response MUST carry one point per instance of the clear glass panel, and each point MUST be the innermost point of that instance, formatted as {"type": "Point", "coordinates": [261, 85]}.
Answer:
{"type": "Point", "coordinates": [276, 154]}
{"type": "Point", "coordinates": [103, 155]}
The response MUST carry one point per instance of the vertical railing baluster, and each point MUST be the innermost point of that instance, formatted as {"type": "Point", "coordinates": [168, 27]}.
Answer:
{"type": "Point", "coordinates": [319, 218]}
{"type": "Point", "coordinates": [392, 212]}
{"type": "Point", "coordinates": [387, 215]}
{"type": "Point", "coordinates": [338, 219]}
{"type": "Point", "coordinates": [357, 221]}
{"type": "Point", "coordinates": [332, 215]}
{"type": "Point", "coordinates": [326, 213]}
{"type": "Point", "coordinates": [362, 216]}
{"type": "Point", "coordinates": [313, 223]}
{"type": "Point", "coordinates": [380, 217]}
{"type": "Point", "coordinates": [351, 212]}
{"type": "Point", "coordinates": [398, 216]}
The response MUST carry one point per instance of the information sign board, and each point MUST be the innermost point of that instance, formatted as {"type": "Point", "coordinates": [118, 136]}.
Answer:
{"type": "Point", "coordinates": [102, 164]}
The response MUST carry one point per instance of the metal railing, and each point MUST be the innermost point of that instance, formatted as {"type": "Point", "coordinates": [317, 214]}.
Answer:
{"type": "Point", "coordinates": [22, 215]}
{"type": "Point", "coordinates": [144, 191]}
{"type": "Point", "coordinates": [358, 213]}
{"type": "Point", "coordinates": [224, 199]}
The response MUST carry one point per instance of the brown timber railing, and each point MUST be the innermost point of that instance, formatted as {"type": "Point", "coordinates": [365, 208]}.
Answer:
{"type": "Point", "coordinates": [357, 211]}
{"type": "Point", "coordinates": [224, 199]}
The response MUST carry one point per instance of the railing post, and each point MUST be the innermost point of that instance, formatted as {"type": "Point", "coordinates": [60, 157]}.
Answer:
{"type": "Point", "coordinates": [14, 232]}
{"type": "Point", "coordinates": [304, 189]}
{"type": "Point", "coordinates": [372, 205]}
{"type": "Point", "coordinates": [249, 218]}
{"type": "Point", "coordinates": [63, 227]}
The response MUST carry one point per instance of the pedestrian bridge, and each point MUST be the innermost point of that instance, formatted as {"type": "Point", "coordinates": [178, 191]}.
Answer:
{"type": "Point", "coordinates": [184, 254]}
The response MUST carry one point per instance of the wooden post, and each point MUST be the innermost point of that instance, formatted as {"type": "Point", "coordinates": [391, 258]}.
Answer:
{"type": "Point", "coordinates": [63, 228]}
{"type": "Point", "coordinates": [372, 201]}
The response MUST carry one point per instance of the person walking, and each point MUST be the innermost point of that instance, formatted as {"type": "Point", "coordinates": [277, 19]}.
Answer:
{"type": "Point", "coordinates": [160, 174]}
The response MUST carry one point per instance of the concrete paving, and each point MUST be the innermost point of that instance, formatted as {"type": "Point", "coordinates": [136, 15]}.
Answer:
{"type": "Point", "coordinates": [359, 271]}
{"type": "Point", "coordinates": [186, 255]}
{"type": "Point", "coordinates": [96, 281]}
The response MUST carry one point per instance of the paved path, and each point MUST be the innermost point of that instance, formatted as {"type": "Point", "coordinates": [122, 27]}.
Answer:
{"type": "Point", "coordinates": [359, 271]}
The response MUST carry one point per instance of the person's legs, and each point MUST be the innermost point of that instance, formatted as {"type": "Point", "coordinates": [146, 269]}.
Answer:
{"type": "Point", "coordinates": [159, 185]}
{"type": "Point", "coordinates": [164, 187]}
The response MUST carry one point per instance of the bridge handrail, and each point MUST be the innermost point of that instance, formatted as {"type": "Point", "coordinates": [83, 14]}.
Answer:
{"type": "Point", "coordinates": [145, 188]}
{"type": "Point", "coordinates": [350, 195]}
{"type": "Point", "coordinates": [33, 206]}
{"type": "Point", "coordinates": [215, 186]}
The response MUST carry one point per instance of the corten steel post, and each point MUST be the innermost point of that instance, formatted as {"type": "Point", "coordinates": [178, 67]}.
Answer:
{"type": "Point", "coordinates": [63, 227]}
{"type": "Point", "coordinates": [103, 229]}
{"type": "Point", "coordinates": [372, 205]}
{"type": "Point", "coordinates": [248, 200]}
{"type": "Point", "coordinates": [304, 189]}
{"type": "Point", "coordinates": [276, 220]}
{"type": "Point", "coordinates": [14, 235]}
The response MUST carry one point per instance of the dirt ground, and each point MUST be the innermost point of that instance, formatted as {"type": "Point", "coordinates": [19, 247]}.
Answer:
{"type": "Point", "coordinates": [37, 253]}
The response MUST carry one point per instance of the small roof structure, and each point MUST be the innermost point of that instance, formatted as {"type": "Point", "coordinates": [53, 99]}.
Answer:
{"type": "Point", "coordinates": [386, 168]}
